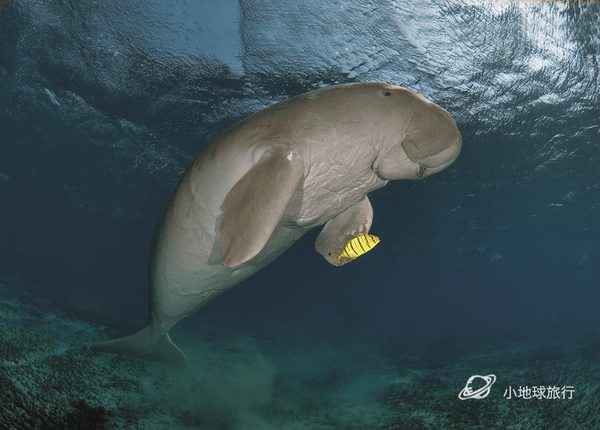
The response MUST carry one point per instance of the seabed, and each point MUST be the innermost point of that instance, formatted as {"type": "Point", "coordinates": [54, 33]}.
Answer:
{"type": "Point", "coordinates": [50, 380]}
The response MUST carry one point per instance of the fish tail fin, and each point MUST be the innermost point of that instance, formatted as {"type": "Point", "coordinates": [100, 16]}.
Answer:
{"type": "Point", "coordinates": [147, 345]}
{"type": "Point", "coordinates": [337, 259]}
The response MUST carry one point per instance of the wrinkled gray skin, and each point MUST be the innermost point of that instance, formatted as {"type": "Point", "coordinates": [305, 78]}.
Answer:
{"type": "Point", "coordinates": [257, 188]}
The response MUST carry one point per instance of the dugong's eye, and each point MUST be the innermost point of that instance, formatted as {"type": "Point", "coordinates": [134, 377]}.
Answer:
{"type": "Point", "coordinates": [387, 94]}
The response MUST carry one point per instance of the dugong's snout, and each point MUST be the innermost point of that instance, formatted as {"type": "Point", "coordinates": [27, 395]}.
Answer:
{"type": "Point", "coordinates": [439, 161]}
{"type": "Point", "coordinates": [430, 144]}
{"type": "Point", "coordinates": [432, 139]}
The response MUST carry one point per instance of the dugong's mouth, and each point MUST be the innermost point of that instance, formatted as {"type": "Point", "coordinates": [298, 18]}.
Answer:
{"type": "Point", "coordinates": [434, 162]}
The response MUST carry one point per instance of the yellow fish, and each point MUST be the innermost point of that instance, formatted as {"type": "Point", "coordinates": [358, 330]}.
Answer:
{"type": "Point", "coordinates": [357, 247]}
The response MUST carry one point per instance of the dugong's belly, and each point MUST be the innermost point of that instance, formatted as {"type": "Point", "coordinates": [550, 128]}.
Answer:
{"type": "Point", "coordinates": [185, 268]}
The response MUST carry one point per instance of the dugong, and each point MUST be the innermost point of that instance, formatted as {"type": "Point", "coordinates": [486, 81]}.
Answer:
{"type": "Point", "coordinates": [251, 193]}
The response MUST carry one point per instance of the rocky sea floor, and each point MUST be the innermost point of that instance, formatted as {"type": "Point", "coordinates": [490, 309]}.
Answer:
{"type": "Point", "coordinates": [50, 380]}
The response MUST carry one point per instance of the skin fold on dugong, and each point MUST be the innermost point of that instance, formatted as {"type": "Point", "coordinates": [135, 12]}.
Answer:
{"type": "Point", "coordinates": [251, 193]}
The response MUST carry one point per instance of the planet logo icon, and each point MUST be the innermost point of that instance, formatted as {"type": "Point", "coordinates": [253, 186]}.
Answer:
{"type": "Point", "coordinates": [470, 393]}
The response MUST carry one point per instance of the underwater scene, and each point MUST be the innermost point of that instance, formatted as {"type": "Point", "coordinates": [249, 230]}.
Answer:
{"type": "Point", "coordinates": [462, 293]}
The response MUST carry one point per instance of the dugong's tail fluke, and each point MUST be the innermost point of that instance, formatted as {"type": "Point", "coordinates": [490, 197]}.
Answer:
{"type": "Point", "coordinates": [144, 345]}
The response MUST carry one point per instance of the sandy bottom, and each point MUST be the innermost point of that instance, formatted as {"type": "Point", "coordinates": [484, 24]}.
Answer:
{"type": "Point", "coordinates": [50, 380]}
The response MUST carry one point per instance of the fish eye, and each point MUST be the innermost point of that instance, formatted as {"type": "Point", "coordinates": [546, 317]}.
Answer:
{"type": "Point", "coordinates": [387, 94]}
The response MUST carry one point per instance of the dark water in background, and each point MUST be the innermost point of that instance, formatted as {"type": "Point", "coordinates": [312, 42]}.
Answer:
{"type": "Point", "coordinates": [102, 105]}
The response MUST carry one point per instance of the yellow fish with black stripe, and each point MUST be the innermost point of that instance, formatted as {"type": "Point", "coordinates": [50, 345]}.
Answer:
{"type": "Point", "coordinates": [356, 247]}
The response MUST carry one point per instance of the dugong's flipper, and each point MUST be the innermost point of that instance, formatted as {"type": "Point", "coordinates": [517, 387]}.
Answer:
{"type": "Point", "coordinates": [144, 345]}
{"type": "Point", "coordinates": [351, 223]}
{"type": "Point", "coordinates": [256, 203]}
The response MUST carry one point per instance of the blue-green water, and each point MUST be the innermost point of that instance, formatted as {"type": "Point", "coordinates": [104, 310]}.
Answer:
{"type": "Point", "coordinates": [489, 267]}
